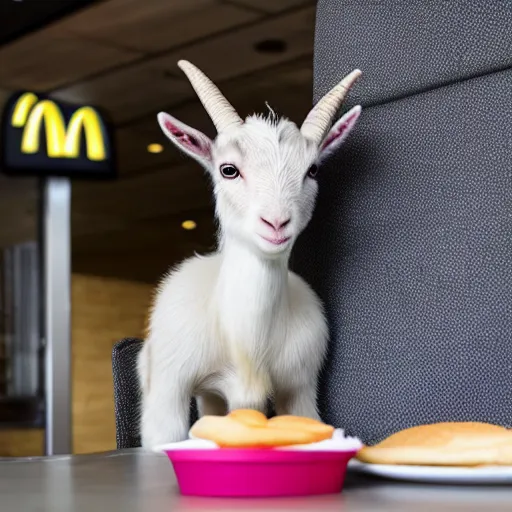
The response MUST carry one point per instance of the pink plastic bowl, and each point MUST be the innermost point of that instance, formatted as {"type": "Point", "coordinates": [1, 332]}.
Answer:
{"type": "Point", "coordinates": [259, 472]}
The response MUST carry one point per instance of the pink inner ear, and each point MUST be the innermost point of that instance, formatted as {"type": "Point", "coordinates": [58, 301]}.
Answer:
{"type": "Point", "coordinates": [192, 143]}
{"type": "Point", "coordinates": [340, 130]}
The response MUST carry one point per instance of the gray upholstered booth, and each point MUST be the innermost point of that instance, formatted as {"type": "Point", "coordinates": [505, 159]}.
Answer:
{"type": "Point", "coordinates": [411, 243]}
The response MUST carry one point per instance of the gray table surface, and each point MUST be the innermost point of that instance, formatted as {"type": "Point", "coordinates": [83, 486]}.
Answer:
{"type": "Point", "coordinates": [134, 480]}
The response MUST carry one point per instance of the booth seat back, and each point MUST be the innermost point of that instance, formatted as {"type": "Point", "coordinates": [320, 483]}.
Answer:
{"type": "Point", "coordinates": [410, 247]}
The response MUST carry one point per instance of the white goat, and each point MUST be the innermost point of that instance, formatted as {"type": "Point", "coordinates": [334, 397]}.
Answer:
{"type": "Point", "coordinates": [236, 327]}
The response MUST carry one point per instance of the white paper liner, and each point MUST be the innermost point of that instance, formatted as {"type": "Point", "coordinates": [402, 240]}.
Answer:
{"type": "Point", "coordinates": [338, 443]}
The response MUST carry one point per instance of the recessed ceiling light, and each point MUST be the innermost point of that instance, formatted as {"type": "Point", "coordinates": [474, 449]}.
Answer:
{"type": "Point", "coordinates": [155, 148]}
{"type": "Point", "coordinates": [188, 224]}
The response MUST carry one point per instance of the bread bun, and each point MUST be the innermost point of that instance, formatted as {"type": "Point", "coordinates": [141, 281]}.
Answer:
{"type": "Point", "coordinates": [246, 428]}
{"type": "Point", "coordinates": [444, 444]}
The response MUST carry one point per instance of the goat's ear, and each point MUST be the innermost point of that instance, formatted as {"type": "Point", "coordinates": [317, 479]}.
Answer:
{"type": "Point", "coordinates": [339, 132]}
{"type": "Point", "coordinates": [191, 141]}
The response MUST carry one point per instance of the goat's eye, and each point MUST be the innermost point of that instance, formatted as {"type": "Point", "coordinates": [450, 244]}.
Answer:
{"type": "Point", "coordinates": [229, 171]}
{"type": "Point", "coordinates": [313, 171]}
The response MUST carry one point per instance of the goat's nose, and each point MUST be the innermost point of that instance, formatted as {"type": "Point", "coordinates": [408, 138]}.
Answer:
{"type": "Point", "coordinates": [276, 224]}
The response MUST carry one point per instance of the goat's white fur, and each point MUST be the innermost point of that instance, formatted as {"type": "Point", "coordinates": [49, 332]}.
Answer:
{"type": "Point", "coordinates": [236, 327]}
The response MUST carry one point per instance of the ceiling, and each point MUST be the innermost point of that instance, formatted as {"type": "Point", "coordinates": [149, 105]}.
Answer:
{"type": "Point", "coordinates": [121, 55]}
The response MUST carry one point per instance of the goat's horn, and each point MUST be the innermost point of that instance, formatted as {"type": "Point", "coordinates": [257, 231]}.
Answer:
{"type": "Point", "coordinates": [321, 115]}
{"type": "Point", "coordinates": [218, 107]}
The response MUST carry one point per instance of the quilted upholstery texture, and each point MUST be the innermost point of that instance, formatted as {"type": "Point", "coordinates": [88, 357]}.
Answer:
{"type": "Point", "coordinates": [406, 47]}
{"type": "Point", "coordinates": [410, 247]}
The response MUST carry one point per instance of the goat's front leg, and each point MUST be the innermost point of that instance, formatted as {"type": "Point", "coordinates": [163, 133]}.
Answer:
{"type": "Point", "coordinates": [165, 411]}
{"type": "Point", "coordinates": [298, 401]}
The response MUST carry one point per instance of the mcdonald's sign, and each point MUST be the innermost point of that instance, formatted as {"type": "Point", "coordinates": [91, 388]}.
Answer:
{"type": "Point", "coordinates": [47, 138]}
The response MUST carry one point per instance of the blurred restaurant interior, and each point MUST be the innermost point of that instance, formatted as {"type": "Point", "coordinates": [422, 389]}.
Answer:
{"type": "Point", "coordinates": [120, 56]}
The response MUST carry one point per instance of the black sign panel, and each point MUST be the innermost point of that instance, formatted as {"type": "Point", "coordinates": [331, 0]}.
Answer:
{"type": "Point", "coordinates": [42, 137]}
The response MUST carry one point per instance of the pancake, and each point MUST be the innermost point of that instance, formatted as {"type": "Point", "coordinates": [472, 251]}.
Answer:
{"type": "Point", "coordinates": [246, 428]}
{"type": "Point", "coordinates": [249, 417]}
{"type": "Point", "coordinates": [293, 422]}
{"type": "Point", "coordinates": [443, 444]}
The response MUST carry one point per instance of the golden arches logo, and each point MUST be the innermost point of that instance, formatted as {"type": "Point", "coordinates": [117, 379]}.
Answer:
{"type": "Point", "coordinates": [61, 141]}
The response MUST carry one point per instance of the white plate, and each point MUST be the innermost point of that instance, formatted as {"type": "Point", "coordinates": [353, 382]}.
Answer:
{"type": "Point", "coordinates": [431, 474]}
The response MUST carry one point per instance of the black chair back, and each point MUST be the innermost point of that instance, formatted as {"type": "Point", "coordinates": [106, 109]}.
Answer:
{"type": "Point", "coordinates": [127, 395]}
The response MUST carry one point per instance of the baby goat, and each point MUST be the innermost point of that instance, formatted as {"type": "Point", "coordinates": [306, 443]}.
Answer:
{"type": "Point", "coordinates": [236, 327]}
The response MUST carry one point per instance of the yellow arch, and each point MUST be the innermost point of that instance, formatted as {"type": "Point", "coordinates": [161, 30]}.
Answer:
{"type": "Point", "coordinates": [22, 108]}
{"type": "Point", "coordinates": [89, 119]}
{"type": "Point", "coordinates": [54, 128]}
